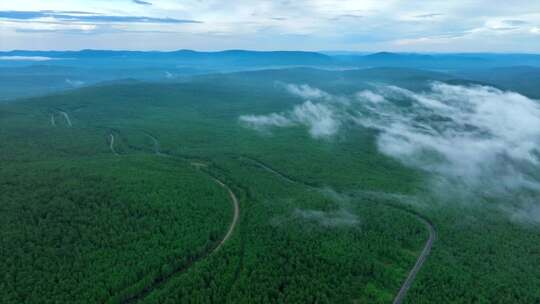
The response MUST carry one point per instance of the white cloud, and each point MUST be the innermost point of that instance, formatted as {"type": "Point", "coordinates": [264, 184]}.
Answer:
{"type": "Point", "coordinates": [475, 141]}
{"type": "Point", "coordinates": [75, 83]}
{"type": "Point", "coordinates": [529, 213]}
{"type": "Point", "coordinates": [25, 58]}
{"type": "Point", "coordinates": [476, 135]}
{"type": "Point", "coordinates": [377, 25]}
{"type": "Point", "coordinates": [307, 92]}
{"type": "Point", "coordinates": [321, 119]}
{"type": "Point", "coordinates": [369, 96]}
{"type": "Point", "coordinates": [464, 132]}
{"type": "Point", "coordinates": [261, 122]}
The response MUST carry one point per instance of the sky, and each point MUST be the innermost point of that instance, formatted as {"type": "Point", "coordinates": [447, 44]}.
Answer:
{"type": "Point", "coordinates": [317, 25]}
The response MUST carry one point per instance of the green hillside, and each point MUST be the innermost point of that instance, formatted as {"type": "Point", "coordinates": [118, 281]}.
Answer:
{"type": "Point", "coordinates": [112, 193]}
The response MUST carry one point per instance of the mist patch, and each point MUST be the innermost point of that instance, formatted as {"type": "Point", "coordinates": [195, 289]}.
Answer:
{"type": "Point", "coordinates": [340, 217]}
{"type": "Point", "coordinates": [321, 119]}
{"type": "Point", "coordinates": [477, 142]}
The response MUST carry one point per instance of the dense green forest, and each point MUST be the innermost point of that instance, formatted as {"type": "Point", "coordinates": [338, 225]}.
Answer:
{"type": "Point", "coordinates": [85, 229]}
{"type": "Point", "coordinates": [110, 194]}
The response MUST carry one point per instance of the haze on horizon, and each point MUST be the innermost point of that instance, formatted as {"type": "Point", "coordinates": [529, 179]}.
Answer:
{"type": "Point", "coordinates": [355, 25]}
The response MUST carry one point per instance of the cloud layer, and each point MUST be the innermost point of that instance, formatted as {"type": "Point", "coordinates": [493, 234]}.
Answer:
{"type": "Point", "coordinates": [81, 16]}
{"type": "Point", "coordinates": [467, 133]}
{"type": "Point", "coordinates": [476, 141]}
{"type": "Point", "coordinates": [321, 119]}
{"type": "Point", "coordinates": [368, 25]}
{"type": "Point", "coordinates": [306, 92]}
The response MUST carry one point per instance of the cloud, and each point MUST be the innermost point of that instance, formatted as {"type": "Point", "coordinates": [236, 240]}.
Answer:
{"type": "Point", "coordinates": [307, 25]}
{"type": "Point", "coordinates": [169, 75]}
{"type": "Point", "coordinates": [477, 141]}
{"type": "Point", "coordinates": [261, 122]}
{"type": "Point", "coordinates": [306, 92]}
{"type": "Point", "coordinates": [529, 213]}
{"type": "Point", "coordinates": [463, 132]}
{"type": "Point", "coordinates": [369, 96]}
{"type": "Point", "coordinates": [74, 83]}
{"type": "Point", "coordinates": [340, 217]}
{"type": "Point", "coordinates": [428, 16]}
{"type": "Point", "coordinates": [70, 16]}
{"type": "Point", "coordinates": [347, 17]}
{"type": "Point", "coordinates": [141, 2]}
{"type": "Point", "coordinates": [26, 58]}
{"type": "Point", "coordinates": [432, 40]}
{"type": "Point", "coordinates": [320, 119]}
{"type": "Point", "coordinates": [515, 22]}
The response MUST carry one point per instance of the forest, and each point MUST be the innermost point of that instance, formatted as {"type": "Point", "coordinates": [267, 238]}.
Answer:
{"type": "Point", "coordinates": [119, 193]}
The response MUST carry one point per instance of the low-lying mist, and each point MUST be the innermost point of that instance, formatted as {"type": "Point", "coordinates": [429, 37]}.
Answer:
{"type": "Point", "coordinates": [477, 142]}
{"type": "Point", "coordinates": [319, 117]}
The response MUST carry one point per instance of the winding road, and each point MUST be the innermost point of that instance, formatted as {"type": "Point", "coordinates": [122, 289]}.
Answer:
{"type": "Point", "coordinates": [419, 262]}
{"type": "Point", "coordinates": [234, 199]}
{"type": "Point", "coordinates": [111, 144]}
{"type": "Point", "coordinates": [236, 215]}
{"type": "Point", "coordinates": [400, 296]}
{"type": "Point", "coordinates": [398, 299]}
{"type": "Point", "coordinates": [66, 116]}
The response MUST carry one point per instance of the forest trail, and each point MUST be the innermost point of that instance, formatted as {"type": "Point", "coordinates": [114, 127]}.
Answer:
{"type": "Point", "coordinates": [419, 261]}
{"type": "Point", "coordinates": [234, 199]}
{"type": "Point", "coordinates": [111, 144]}
{"type": "Point", "coordinates": [236, 214]}
{"type": "Point", "coordinates": [281, 175]}
{"type": "Point", "coordinates": [66, 116]}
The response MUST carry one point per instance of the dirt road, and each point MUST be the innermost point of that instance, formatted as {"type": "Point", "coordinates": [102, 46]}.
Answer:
{"type": "Point", "coordinates": [236, 214]}
{"type": "Point", "coordinates": [66, 116]}
{"type": "Point", "coordinates": [111, 144]}
{"type": "Point", "coordinates": [419, 261]}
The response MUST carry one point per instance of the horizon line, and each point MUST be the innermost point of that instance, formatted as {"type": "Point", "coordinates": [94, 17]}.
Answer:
{"type": "Point", "coordinates": [322, 52]}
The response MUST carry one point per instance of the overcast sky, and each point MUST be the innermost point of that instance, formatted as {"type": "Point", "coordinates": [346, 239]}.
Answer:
{"type": "Point", "coordinates": [355, 25]}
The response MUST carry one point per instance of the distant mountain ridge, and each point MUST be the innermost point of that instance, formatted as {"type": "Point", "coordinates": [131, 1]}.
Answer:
{"type": "Point", "coordinates": [449, 61]}
{"type": "Point", "coordinates": [227, 57]}
{"type": "Point", "coordinates": [30, 73]}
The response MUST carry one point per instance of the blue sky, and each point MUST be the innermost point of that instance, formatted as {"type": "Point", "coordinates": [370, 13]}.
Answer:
{"type": "Point", "coordinates": [355, 25]}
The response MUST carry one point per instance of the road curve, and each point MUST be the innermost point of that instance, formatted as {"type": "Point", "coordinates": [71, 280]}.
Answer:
{"type": "Point", "coordinates": [234, 199]}
{"type": "Point", "coordinates": [111, 144]}
{"type": "Point", "coordinates": [66, 116]}
{"type": "Point", "coordinates": [236, 214]}
{"type": "Point", "coordinates": [419, 261]}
